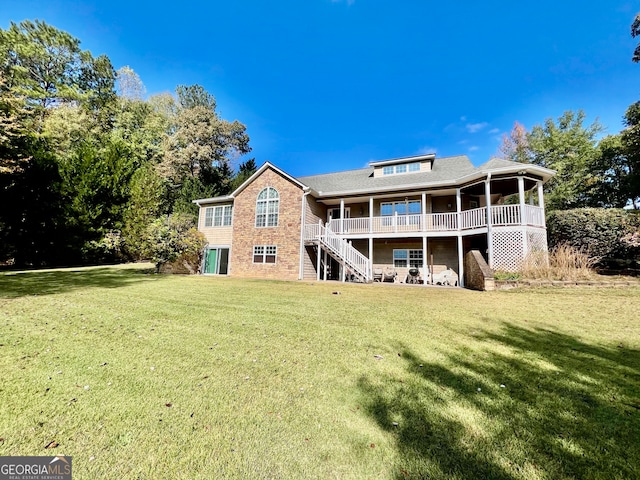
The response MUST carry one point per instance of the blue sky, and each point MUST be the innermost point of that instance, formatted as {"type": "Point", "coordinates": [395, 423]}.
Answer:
{"type": "Point", "coordinates": [327, 85]}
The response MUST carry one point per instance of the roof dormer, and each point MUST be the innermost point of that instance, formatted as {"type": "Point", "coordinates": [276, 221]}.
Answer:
{"type": "Point", "coordinates": [402, 166]}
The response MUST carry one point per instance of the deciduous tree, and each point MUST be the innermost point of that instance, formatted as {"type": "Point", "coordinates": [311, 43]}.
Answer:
{"type": "Point", "coordinates": [569, 148]}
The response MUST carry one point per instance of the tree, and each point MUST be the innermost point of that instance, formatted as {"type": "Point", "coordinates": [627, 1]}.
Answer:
{"type": "Point", "coordinates": [630, 140]}
{"type": "Point", "coordinates": [129, 85]}
{"type": "Point", "coordinates": [570, 149]}
{"type": "Point", "coordinates": [12, 131]}
{"type": "Point", "coordinates": [199, 149]}
{"type": "Point", "coordinates": [173, 236]}
{"type": "Point", "coordinates": [148, 201]}
{"type": "Point", "coordinates": [635, 32]}
{"type": "Point", "coordinates": [47, 67]}
{"type": "Point", "coordinates": [515, 146]}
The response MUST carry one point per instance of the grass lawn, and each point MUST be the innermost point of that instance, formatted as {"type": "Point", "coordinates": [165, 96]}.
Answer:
{"type": "Point", "coordinates": [150, 376]}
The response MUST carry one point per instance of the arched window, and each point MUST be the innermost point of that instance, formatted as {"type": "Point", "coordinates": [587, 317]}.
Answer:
{"type": "Point", "coordinates": [267, 206]}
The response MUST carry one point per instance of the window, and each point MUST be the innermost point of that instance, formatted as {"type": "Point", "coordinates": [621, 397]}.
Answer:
{"type": "Point", "coordinates": [401, 168]}
{"type": "Point", "coordinates": [218, 216]}
{"type": "Point", "coordinates": [267, 207]}
{"type": "Point", "coordinates": [415, 258]}
{"type": "Point", "coordinates": [264, 253]}
{"type": "Point", "coordinates": [411, 207]}
{"type": "Point", "coordinates": [399, 258]}
{"type": "Point", "coordinates": [404, 258]}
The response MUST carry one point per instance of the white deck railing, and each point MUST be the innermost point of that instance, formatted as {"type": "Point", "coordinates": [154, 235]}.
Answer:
{"type": "Point", "coordinates": [341, 249]}
{"type": "Point", "coordinates": [501, 215]}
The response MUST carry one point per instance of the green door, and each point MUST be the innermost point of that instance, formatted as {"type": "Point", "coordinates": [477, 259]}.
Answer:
{"type": "Point", "coordinates": [212, 261]}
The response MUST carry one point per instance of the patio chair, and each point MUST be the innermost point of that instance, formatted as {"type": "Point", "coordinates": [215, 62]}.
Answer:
{"type": "Point", "coordinates": [390, 275]}
{"type": "Point", "coordinates": [377, 274]}
{"type": "Point", "coordinates": [446, 277]}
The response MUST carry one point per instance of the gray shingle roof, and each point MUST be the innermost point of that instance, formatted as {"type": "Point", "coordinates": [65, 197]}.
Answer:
{"type": "Point", "coordinates": [444, 170]}
{"type": "Point", "coordinates": [499, 163]}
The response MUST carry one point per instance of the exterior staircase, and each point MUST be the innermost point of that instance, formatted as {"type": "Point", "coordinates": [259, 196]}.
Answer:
{"type": "Point", "coordinates": [354, 262]}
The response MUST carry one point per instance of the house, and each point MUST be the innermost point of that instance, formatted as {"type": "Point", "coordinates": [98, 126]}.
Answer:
{"type": "Point", "coordinates": [422, 212]}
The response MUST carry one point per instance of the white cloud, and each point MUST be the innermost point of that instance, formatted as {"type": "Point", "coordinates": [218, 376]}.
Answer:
{"type": "Point", "coordinates": [474, 148]}
{"type": "Point", "coordinates": [476, 127]}
{"type": "Point", "coordinates": [493, 131]}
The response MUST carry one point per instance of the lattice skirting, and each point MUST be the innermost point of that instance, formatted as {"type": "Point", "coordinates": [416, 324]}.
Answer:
{"type": "Point", "coordinates": [511, 246]}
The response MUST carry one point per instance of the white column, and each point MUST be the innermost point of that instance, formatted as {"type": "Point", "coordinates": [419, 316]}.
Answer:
{"type": "Point", "coordinates": [342, 216]}
{"type": "Point", "coordinates": [423, 210]}
{"type": "Point", "coordinates": [370, 214]}
{"type": "Point", "coordinates": [318, 263]}
{"type": "Point", "coordinates": [425, 264]}
{"type": "Point", "coordinates": [540, 195]}
{"type": "Point", "coordinates": [326, 265]}
{"type": "Point", "coordinates": [458, 206]}
{"type": "Point", "coordinates": [487, 194]}
{"type": "Point", "coordinates": [523, 222]}
{"type": "Point", "coordinates": [371, 254]}
{"type": "Point", "coordinates": [460, 262]}
{"type": "Point", "coordinates": [522, 202]}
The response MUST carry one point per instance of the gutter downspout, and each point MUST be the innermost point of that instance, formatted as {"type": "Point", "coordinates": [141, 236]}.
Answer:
{"type": "Point", "coordinates": [303, 219]}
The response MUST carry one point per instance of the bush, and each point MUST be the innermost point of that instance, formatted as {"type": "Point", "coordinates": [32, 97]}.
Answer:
{"type": "Point", "coordinates": [564, 262]}
{"type": "Point", "coordinates": [603, 234]}
{"type": "Point", "coordinates": [173, 237]}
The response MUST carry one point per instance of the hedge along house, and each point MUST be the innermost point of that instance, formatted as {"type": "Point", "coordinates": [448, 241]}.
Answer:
{"type": "Point", "coordinates": [416, 212]}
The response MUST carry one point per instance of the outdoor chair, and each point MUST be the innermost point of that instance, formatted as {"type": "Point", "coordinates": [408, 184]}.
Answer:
{"type": "Point", "coordinates": [446, 277]}
{"type": "Point", "coordinates": [390, 275]}
{"type": "Point", "coordinates": [377, 274]}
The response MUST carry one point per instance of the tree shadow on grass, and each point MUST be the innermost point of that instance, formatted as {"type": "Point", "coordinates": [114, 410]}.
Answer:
{"type": "Point", "coordinates": [529, 404]}
{"type": "Point", "coordinates": [47, 282]}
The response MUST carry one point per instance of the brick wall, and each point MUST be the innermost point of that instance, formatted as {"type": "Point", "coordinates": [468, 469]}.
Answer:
{"type": "Point", "coordinates": [286, 236]}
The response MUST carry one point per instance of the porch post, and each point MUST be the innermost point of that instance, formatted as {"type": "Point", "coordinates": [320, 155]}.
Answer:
{"type": "Point", "coordinates": [342, 216]}
{"type": "Point", "coordinates": [423, 210]}
{"type": "Point", "coordinates": [370, 214]}
{"type": "Point", "coordinates": [522, 202]}
{"type": "Point", "coordinates": [318, 264]}
{"type": "Point", "coordinates": [460, 262]}
{"type": "Point", "coordinates": [425, 267]}
{"type": "Point", "coordinates": [458, 207]}
{"type": "Point", "coordinates": [523, 220]}
{"type": "Point", "coordinates": [326, 266]}
{"type": "Point", "coordinates": [371, 255]}
{"type": "Point", "coordinates": [540, 196]}
{"type": "Point", "coordinates": [487, 194]}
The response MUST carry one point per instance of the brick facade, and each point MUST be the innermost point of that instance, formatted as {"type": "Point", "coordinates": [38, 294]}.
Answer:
{"type": "Point", "coordinates": [286, 236]}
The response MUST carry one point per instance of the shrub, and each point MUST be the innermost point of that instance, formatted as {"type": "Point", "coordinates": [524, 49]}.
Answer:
{"type": "Point", "coordinates": [563, 262]}
{"type": "Point", "coordinates": [605, 234]}
{"type": "Point", "coordinates": [173, 237]}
